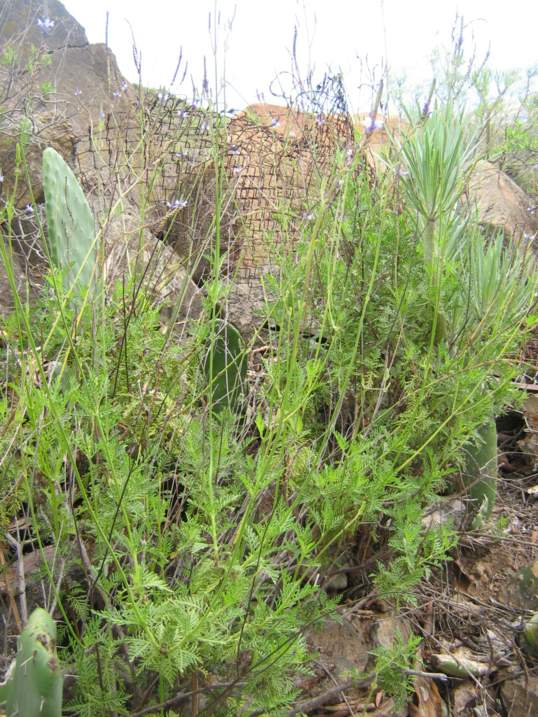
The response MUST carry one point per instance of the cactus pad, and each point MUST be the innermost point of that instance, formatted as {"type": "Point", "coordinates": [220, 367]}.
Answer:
{"type": "Point", "coordinates": [33, 686]}
{"type": "Point", "coordinates": [70, 222]}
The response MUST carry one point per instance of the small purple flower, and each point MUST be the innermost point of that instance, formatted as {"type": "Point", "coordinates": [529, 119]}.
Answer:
{"type": "Point", "coordinates": [45, 24]}
{"type": "Point", "coordinates": [101, 115]}
{"type": "Point", "coordinates": [401, 172]}
{"type": "Point", "coordinates": [275, 122]}
{"type": "Point", "coordinates": [182, 114]}
{"type": "Point", "coordinates": [371, 123]}
{"type": "Point", "coordinates": [308, 216]}
{"type": "Point", "coordinates": [77, 92]}
{"type": "Point", "coordinates": [162, 97]}
{"type": "Point", "coordinates": [1, 177]}
{"type": "Point", "coordinates": [320, 120]}
{"type": "Point", "coordinates": [124, 86]}
{"type": "Point", "coordinates": [29, 209]}
{"type": "Point", "coordinates": [116, 93]}
{"type": "Point", "coordinates": [237, 170]}
{"type": "Point", "coordinates": [182, 155]}
{"type": "Point", "coordinates": [234, 150]}
{"type": "Point", "coordinates": [204, 127]}
{"type": "Point", "coordinates": [177, 204]}
{"type": "Point", "coordinates": [426, 111]}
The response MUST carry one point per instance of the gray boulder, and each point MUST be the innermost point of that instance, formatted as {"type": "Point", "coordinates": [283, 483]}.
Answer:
{"type": "Point", "coordinates": [54, 86]}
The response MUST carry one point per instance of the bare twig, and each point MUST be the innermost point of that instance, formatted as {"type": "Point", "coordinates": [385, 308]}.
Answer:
{"type": "Point", "coordinates": [333, 680]}
{"type": "Point", "coordinates": [182, 697]}
{"type": "Point", "coordinates": [309, 706]}
{"type": "Point", "coordinates": [428, 675]}
{"type": "Point", "coordinates": [21, 580]}
{"type": "Point", "coordinates": [9, 591]}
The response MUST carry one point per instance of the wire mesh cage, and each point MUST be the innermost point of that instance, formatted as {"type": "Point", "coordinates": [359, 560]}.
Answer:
{"type": "Point", "coordinates": [201, 179]}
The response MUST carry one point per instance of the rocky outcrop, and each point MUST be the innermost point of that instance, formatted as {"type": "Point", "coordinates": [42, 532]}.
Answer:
{"type": "Point", "coordinates": [29, 23]}
{"type": "Point", "coordinates": [54, 87]}
{"type": "Point", "coordinates": [132, 252]}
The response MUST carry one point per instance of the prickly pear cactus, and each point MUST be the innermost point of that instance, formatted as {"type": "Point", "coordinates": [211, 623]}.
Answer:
{"type": "Point", "coordinates": [33, 687]}
{"type": "Point", "coordinates": [225, 368]}
{"type": "Point", "coordinates": [529, 641]}
{"type": "Point", "coordinates": [480, 474]}
{"type": "Point", "coordinates": [530, 636]}
{"type": "Point", "coordinates": [70, 222]}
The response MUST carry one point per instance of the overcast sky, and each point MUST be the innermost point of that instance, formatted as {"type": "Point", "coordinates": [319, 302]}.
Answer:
{"type": "Point", "coordinates": [255, 37]}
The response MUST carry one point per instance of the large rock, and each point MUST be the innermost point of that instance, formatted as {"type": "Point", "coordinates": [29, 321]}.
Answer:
{"type": "Point", "coordinates": [130, 253]}
{"type": "Point", "coordinates": [501, 204]}
{"type": "Point", "coordinates": [29, 23]}
{"type": "Point", "coordinates": [277, 163]}
{"type": "Point", "coordinates": [133, 253]}
{"type": "Point", "coordinates": [520, 696]}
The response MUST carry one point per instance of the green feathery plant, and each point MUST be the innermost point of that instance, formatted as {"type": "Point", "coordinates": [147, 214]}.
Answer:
{"type": "Point", "coordinates": [203, 539]}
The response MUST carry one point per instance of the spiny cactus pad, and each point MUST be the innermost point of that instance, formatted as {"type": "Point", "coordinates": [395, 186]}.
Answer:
{"type": "Point", "coordinates": [34, 683]}
{"type": "Point", "coordinates": [70, 222]}
{"type": "Point", "coordinates": [225, 367]}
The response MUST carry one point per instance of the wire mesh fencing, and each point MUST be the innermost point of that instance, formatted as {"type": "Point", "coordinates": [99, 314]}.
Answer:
{"type": "Point", "coordinates": [199, 178]}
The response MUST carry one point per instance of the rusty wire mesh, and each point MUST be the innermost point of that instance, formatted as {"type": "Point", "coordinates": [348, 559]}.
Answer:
{"type": "Point", "coordinates": [260, 171]}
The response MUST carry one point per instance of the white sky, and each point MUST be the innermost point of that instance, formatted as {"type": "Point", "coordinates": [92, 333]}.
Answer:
{"type": "Point", "coordinates": [332, 33]}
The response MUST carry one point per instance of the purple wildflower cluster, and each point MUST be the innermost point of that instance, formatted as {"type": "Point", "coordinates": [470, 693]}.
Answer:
{"type": "Point", "coordinates": [177, 204]}
{"type": "Point", "coordinates": [45, 24]}
{"type": "Point", "coordinates": [123, 88]}
{"type": "Point", "coordinates": [372, 123]}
